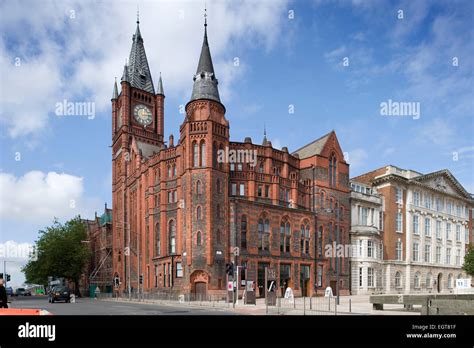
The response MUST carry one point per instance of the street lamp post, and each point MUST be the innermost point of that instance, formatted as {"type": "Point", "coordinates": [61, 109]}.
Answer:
{"type": "Point", "coordinates": [338, 217]}
{"type": "Point", "coordinates": [128, 268]}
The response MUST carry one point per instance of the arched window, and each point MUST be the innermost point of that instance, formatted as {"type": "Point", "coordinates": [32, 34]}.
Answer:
{"type": "Point", "coordinates": [174, 169]}
{"type": "Point", "coordinates": [304, 247]}
{"type": "Point", "coordinates": [172, 236]}
{"type": "Point", "coordinates": [221, 149]}
{"type": "Point", "coordinates": [157, 240]}
{"type": "Point", "coordinates": [417, 280]}
{"type": "Point", "coordinates": [322, 200]}
{"type": "Point", "coordinates": [450, 281]}
{"type": "Point", "coordinates": [203, 153]}
{"type": "Point", "coordinates": [198, 187]}
{"type": "Point", "coordinates": [214, 154]}
{"type": "Point", "coordinates": [198, 213]}
{"type": "Point", "coordinates": [169, 171]}
{"type": "Point", "coordinates": [332, 170]}
{"type": "Point", "coordinates": [218, 211]}
{"type": "Point", "coordinates": [261, 168]}
{"type": "Point", "coordinates": [428, 280]}
{"type": "Point", "coordinates": [198, 238]}
{"type": "Point", "coordinates": [285, 235]}
{"type": "Point", "coordinates": [218, 236]}
{"type": "Point", "coordinates": [195, 154]}
{"type": "Point", "coordinates": [398, 280]}
{"type": "Point", "coordinates": [243, 232]}
{"type": "Point", "coordinates": [218, 186]}
{"type": "Point", "coordinates": [263, 234]}
{"type": "Point", "coordinates": [320, 241]}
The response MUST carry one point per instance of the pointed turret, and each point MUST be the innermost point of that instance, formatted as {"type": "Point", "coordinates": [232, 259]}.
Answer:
{"type": "Point", "coordinates": [115, 92]}
{"type": "Point", "coordinates": [160, 86]}
{"type": "Point", "coordinates": [139, 74]}
{"type": "Point", "coordinates": [125, 77]}
{"type": "Point", "coordinates": [205, 82]}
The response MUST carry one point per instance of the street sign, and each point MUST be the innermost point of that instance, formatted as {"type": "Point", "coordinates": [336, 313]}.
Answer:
{"type": "Point", "coordinates": [230, 286]}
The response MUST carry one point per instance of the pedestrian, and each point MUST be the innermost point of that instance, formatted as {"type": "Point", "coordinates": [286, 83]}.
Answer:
{"type": "Point", "coordinates": [3, 295]}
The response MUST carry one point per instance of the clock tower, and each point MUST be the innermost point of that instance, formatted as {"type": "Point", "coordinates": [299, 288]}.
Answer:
{"type": "Point", "coordinates": [137, 132]}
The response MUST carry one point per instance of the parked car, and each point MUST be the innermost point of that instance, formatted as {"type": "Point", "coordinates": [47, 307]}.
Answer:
{"type": "Point", "coordinates": [22, 292]}
{"type": "Point", "coordinates": [9, 290]}
{"type": "Point", "coordinates": [59, 293]}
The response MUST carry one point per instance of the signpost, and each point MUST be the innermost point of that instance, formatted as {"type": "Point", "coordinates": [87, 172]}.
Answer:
{"type": "Point", "coordinates": [270, 286]}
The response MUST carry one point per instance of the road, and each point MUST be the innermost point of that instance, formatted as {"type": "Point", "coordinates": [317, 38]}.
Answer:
{"type": "Point", "coordinates": [86, 306]}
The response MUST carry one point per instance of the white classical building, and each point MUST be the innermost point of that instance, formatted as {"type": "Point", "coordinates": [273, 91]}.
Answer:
{"type": "Point", "coordinates": [366, 239]}
{"type": "Point", "coordinates": [426, 229]}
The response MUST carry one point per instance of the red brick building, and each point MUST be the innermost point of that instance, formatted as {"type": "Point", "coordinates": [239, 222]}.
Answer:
{"type": "Point", "coordinates": [179, 209]}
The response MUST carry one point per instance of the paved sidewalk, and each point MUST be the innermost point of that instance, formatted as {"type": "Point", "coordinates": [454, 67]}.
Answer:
{"type": "Point", "coordinates": [349, 305]}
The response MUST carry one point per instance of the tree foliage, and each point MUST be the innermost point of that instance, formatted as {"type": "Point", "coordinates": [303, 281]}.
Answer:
{"type": "Point", "coordinates": [468, 265]}
{"type": "Point", "coordinates": [60, 252]}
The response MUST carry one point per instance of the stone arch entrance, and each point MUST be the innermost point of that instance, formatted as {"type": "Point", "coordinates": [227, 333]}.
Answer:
{"type": "Point", "coordinates": [199, 284]}
{"type": "Point", "coordinates": [438, 282]}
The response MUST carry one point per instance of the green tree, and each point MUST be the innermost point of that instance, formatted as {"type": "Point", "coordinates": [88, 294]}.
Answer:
{"type": "Point", "coordinates": [468, 265]}
{"type": "Point", "coordinates": [60, 252]}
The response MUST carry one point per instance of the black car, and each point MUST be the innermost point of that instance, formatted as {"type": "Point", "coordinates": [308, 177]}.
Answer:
{"type": "Point", "coordinates": [59, 293]}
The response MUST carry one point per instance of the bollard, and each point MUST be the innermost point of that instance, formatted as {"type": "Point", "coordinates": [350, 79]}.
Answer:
{"type": "Point", "coordinates": [278, 305]}
{"type": "Point", "coordinates": [350, 305]}
{"type": "Point", "coordinates": [311, 303]}
{"type": "Point", "coordinates": [335, 306]}
{"type": "Point", "coordinates": [304, 305]}
{"type": "Point", "coordinates": [329, 303]}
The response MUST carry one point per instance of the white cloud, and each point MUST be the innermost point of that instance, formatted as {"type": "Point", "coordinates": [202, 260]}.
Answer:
{"type": "Point", "coordinates": [357, 158]}
{"type": "Point", "coordinates": [39, 197]}
{"type": "Point", "coordinates": [64, 57]}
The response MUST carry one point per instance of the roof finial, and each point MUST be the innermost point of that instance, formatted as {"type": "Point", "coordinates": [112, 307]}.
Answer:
{"type": "Point", "coordinates": [205, 15]}
{"type": "Point", "coordinates": [138, 14]}
{"type": "Point", "coordinates": [264, 130]}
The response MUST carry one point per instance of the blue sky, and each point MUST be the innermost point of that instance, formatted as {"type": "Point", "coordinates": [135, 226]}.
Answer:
{"type": "Point", "coordinates": [289, 53]}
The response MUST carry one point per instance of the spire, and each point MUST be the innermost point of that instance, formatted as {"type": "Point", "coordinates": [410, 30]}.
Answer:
{"type": "Point", "coordinates": [265, 140]}
{"type": "Point", "coordinates": [125, 77]}
{"type": "Point", "coordinates": [139, 74]}
{"type": "Point", "coordinates": [160, 86]}
{"type": "Point", "coordinates": [205, 82]}
{"type": "Point", "coordinates": [115, 93]}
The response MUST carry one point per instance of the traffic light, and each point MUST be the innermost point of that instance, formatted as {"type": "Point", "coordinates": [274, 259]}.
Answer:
{"type": "Point", "coordinates": [1, 275]}
{"type": "Point", "coordinates": [117, 281]}
{"type": "Point", "coordinates": [141, 278]}
{"type": "Point", "coordinates": [8, 277]}
{"type": "Point", "coordinates": [229, 269]}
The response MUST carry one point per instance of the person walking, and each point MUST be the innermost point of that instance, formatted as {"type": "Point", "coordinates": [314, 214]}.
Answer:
{"type": "Point", "coordinates": [3, 295]}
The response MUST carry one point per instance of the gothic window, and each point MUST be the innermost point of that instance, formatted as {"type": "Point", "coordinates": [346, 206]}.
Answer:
{"type": "Point", "coordinates": [157, 240]}
{"type": "Point", "coordinates": [305, 237]}
{"type": "Point", "coordinates": [285, 235]}
{"type": "Point", "coordinates": [263, 234]}
{"type": "Point", "coordinates": [398, 280]}
{"type": "Point", "coordinates": [169, 171]}
{"type": "Point", "coordinates": [214, 154]}
{"type": "Point", "coordinates": [198, 187]}
{"type": "Point", "coordinates": [218, 184]}
{"type": "Point", "coordinates": [218, 236]}
{"type": "Point", "coordinates": [198, 213]}
{"type": "Point", "coordinates": [203, 153]}
{"type": "Point", "coordinates": [320, 241]}
{"type": "Point", "coordinates": [172, 236]}
{"type": "Point", "coordinates": [332, 170]}
{"type": "Point", "coordinates": [218, 211]}
{"type": "Point", "coordinates": [198, 238]}
{"type": "Point", "coordinates": [195, 154]}
{"type": "Point", "coordinates": [243, 232]}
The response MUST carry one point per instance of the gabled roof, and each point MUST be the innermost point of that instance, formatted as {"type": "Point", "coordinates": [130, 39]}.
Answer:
{"type": "Point", "coordinates": [313, 148]}
{"type": "Point", "coordinates": [139, 74]}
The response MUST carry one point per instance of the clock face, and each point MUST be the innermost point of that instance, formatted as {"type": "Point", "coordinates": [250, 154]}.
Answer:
{"type": "Point", "coordinates": [142, 114]}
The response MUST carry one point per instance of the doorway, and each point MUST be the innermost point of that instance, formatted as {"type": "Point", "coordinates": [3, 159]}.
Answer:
{"type": "Point", "coordinates": [333, 285]}
{"type": "Point", "coordinates": [200, 288]}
